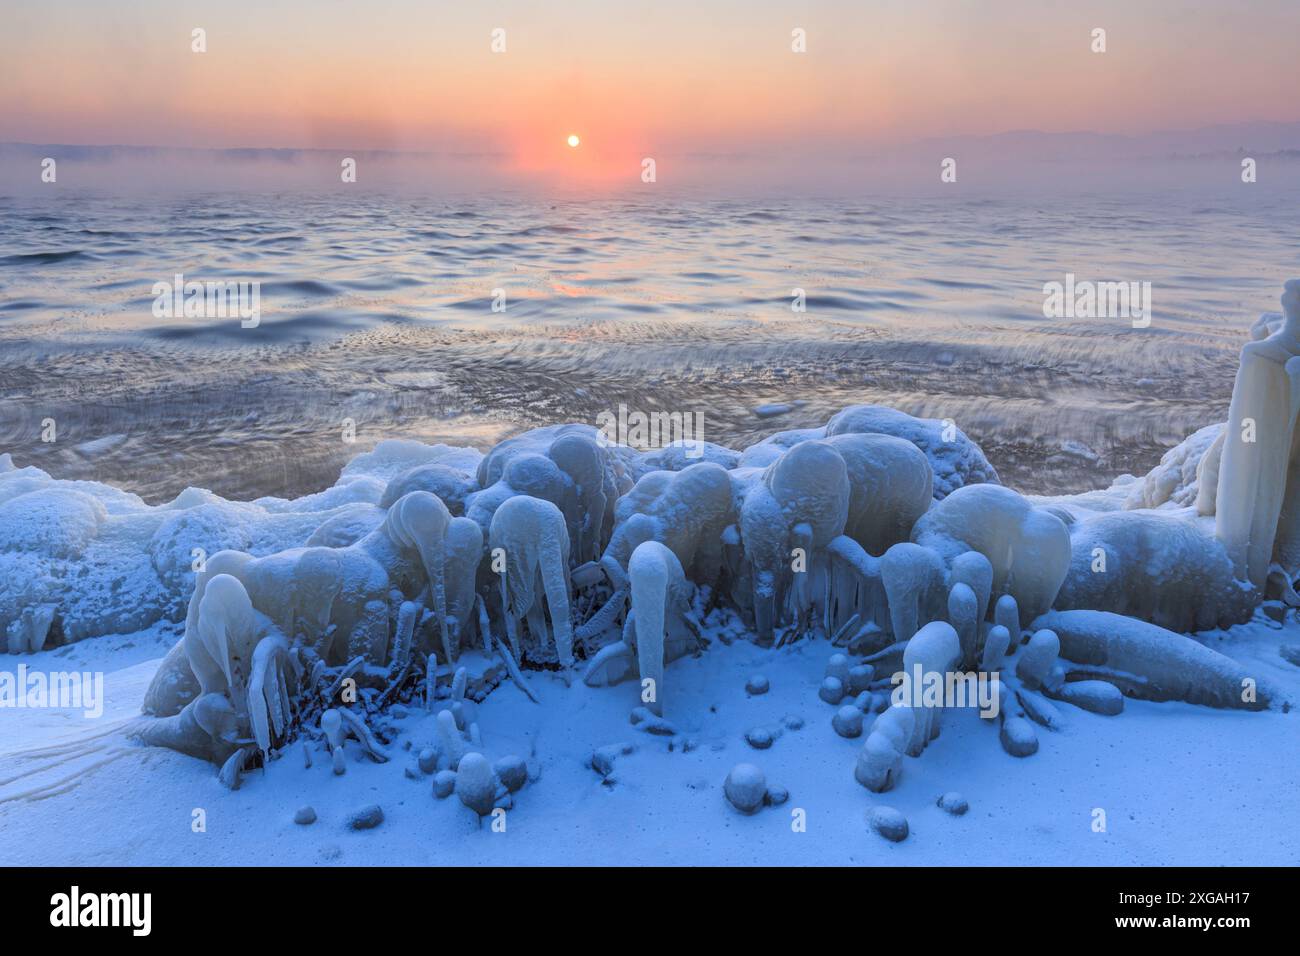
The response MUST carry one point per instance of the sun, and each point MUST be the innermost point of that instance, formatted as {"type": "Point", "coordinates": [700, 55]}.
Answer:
{"type": "Point", "coordinates": [573, 140]}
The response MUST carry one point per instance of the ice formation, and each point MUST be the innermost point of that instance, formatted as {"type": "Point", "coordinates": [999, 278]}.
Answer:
{"type": "Point", "coordinates": [530, 535]}
{"type": "Point", "coordinates": [1255, 513]}
{"type": "Point", "coordinates": [889, 536]}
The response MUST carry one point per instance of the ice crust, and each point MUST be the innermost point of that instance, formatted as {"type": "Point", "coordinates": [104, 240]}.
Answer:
{"type": "Point", "coordinates": [887, 534]}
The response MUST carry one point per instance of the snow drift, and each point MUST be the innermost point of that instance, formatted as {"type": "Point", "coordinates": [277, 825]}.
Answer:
{"type": "Point", "coordinates": [426, 567]}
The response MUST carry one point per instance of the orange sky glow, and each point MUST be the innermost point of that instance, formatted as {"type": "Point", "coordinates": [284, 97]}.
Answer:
{"type": "Point", "coordinates": [633, 79]}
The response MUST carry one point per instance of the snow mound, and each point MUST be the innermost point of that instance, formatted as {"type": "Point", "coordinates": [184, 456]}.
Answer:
{"type": "Point", "coordinates": [955, 460]}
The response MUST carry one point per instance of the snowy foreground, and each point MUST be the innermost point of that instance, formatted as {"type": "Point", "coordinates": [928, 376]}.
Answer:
{"type": "Point", "coordinates": [1180, 784]}
{"type": "Point", "coordinates": [846, 644]}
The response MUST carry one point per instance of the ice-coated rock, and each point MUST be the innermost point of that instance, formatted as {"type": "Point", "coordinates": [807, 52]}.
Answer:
{"type": "Point", "coordinates": [745, 787]}
{"type": "Point", "coordinates": [1018, 737]}
{"type": "Point", "coordinates": [890, 486]}
{"type": "Point", "coordinates": [757, 684]}
{"type": "Point", "coordinates": [1154, 566]}
{"type": "Point", "coordinates": [1038, 657]}
{"type": "Point", "coordinates": [889, 823]}
{"type": "Point", "coordinates": [1153, 663]}
{"type": "Point", "coordinates": [954, 459]}
{"type": "Point", "coordinates": [511, 771]}
{"type": "Point", "coordinates": [367, 818]}
{"type": "Point", "coordinates": [848, 721]}
{"type": "Point", "coordinates": [604, 758]}
{"type": "Point", "coordinates": [954, 803]}
{"type": "Point", "coordinates": [838, 667]}
{"type": "Point", "coordinates": [449, 484]}
{"type": "Point", "coordinates": [799, 503]}
{"type": "Point", "coordinates": [444, 783]}
{"type": "Point", "coordinates": [566, 465]}
{"type": "Point", "coordinates": [428, 760]}
{"type": "Point", "coordinates": [1007, 614]}
{"type": "Point", "coordinates": [688, 511]}
{"type": "Point", "coordinates": [880, 762]}
{"type": "Point", "coordinates": [776, 795]}
{"type": "Point", "coordinates": [996, 642]}
{"type": "Point", "coordinates": [831, 690]}
{"type": "Point", "coordinates": [304, 816]}
{"type": "Point", "coordinates": [860, 677]}
{"type": "Point", "coordinates": [1096, 696]}
{"type": "Point", "coordinates": [760, 738]}
{"type": "Point", "coordinates": [476, 784]}
{"type": "Point", "coordinates": [1028, 547]}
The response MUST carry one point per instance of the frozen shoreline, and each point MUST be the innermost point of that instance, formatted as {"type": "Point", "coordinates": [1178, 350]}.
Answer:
{"type": "Point", "coordinates": [909, 539]}
{"type": "Point", "coordinates": [932, 307]}
{"type": "Point", "coordinates": [1180, 784]}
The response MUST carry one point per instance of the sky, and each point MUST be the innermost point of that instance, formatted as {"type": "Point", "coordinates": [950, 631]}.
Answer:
{"type": "Point", "coordinates": [709, 80]}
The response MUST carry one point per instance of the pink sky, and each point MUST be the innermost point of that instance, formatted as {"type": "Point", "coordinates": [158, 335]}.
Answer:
{"type": "Point", "coordinates": [634, 78]}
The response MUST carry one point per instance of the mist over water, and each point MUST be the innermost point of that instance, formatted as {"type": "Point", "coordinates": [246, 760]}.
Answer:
{"type": "Point", "coordinates": [378, 308]}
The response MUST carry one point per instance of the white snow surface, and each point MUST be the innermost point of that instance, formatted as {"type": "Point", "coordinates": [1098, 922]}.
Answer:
{"type": "Point", "coordinates": [1178, 783]}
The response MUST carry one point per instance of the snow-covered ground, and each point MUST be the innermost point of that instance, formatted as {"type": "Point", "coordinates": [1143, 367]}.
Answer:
{"type": "Point", "coordinates": [1178, 784]}
{"type": "Point", "coordinates": [95, 580]}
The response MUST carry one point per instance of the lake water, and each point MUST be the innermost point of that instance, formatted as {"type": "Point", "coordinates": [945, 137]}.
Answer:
{"type": "Point", "coordinates": [378, 309]}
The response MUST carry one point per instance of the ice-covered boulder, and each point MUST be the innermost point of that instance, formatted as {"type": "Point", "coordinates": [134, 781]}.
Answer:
{"type": "Point", "coordinates": [931, 654]}
{"type": "Point", "coordinates": [1153, 663]}
{"type": "Point", "coordinates": [688, 511]}
{"type": "Point", "coordinates": [680, 455]}
{"type": "Point", "coordinates": [183, 535]}
{"type": "Point", "coordinates": [913, 579]}
{"type": "Point", "coordinates": [1164, 567]}
{"type": "Point", "coordinates": [880, 762]}
{"type": "Point", "coordinates": [248, 684]}
{"type": "Point", "coordinates": [789, 514]}
{"type": "Point", "coordinates": [810, 485]}
{"type": "Point", "coordinates": [1028, 547]}
{"type": "Point", "coordinates": [348, 526]}
{"type": "Point", "coordinates": [55, 521]}
{"type": "Point", "coordinates": [449, 484]}
{"type": "Point", "coordinates": [394, 457]}
{"type": "Point", "coordinates": [955, 460]}
{"type": "Point", "coordinates": [532, 535]}
{"type": "Point", "coordinates": [571, 466]}
{"type": "Point", "coordinates": [890, 487]}
{"type": "Point", "coordinates": [1186, 477]}
{"type": "Point", "coordinates": [745, 787]}
{"type": "Point", "coordinates": [88, 559]}
{"type": "Point", "coordinates": [338, 599]}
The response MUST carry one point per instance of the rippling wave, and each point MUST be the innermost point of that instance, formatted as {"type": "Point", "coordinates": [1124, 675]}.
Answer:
{"type": "Point", "coordinates": [378, 310]}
